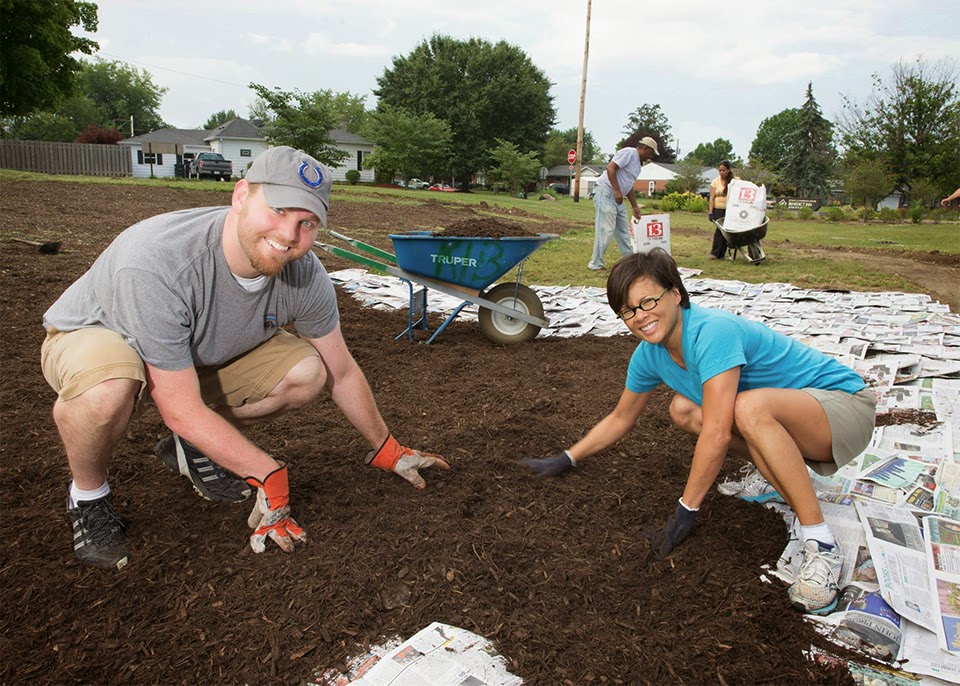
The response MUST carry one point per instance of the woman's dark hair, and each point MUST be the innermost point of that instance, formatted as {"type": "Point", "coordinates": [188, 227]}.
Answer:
{"type": "Point", "coordinates": [656, 265]}
{"type": "Point", "coordinates": [725, 178]}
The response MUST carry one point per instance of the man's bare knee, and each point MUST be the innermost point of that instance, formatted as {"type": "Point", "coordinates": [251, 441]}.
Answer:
{"type": "Point", "coordinates": [303, 383]}
{"type": "Point", "coordinates": [105, 404]}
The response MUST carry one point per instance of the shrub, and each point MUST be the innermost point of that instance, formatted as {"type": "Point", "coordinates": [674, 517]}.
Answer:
{"type": "Point", "coordinates": [697, 204]}
{"type": "Point", "coordinates": [779, 212]}
{"type": "Point", "coordinates": [867, 213]}
{"type": "Point", "coordinates": [889, 215]}
{"type": "Point", "coordinates": [940, 214]}
{"type": "Point", "coordinates": [688, 202]}
{"type": "Point", "coordinates": [917, 212]}
{"type": "Point", "coordinates": [850, 214]}
{"type": "Point", "coordinates": [834, 213]}
{"type": "Point", "coordinates": [805, 213]}
{"type": "Point", "coordinates": [353, 176]}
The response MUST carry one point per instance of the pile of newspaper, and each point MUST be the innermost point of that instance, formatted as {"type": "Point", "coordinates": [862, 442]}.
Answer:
{"type": "Point", "coordinates": [438, 655]}
{"type": "Point", "coordinates": [896, 508]}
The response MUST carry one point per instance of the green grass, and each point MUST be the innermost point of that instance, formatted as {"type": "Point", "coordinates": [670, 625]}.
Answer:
{"type": "Point", "coordinates": [563, 261]}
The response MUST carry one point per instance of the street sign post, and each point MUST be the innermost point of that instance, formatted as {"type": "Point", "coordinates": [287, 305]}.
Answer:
{"type": "Point", "coordinates": [572, 156]}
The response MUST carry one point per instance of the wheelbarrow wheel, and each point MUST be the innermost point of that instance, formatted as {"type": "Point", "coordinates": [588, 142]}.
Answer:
{"type": "Point", "coordinates": [755, 252]}
{"type": "Point", "coordinates": [502, 328]}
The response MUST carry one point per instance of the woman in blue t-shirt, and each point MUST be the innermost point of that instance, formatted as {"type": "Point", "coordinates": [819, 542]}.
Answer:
{"type": "Point", "coordinates": [740, 387]}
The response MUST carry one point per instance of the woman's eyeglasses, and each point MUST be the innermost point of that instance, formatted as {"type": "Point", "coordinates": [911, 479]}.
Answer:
{"type": "Point", "coordinates": [646, 305]}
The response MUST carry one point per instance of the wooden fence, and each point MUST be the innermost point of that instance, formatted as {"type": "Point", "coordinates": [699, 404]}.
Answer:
{"type": "Point", "coordinates": [66, 158]}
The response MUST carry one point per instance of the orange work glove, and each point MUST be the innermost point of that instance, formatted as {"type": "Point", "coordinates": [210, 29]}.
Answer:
{"type": "Point", "coordinates": [405, 462]}
{"type": "Point", "coordinates": [271, 513]}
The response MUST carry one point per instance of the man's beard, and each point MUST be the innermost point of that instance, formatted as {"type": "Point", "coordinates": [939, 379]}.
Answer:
{"type": "Point", "coordinates": [265, 265]}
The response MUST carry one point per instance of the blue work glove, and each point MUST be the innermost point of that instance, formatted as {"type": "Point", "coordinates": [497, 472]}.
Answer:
{"type": "Point", "coordinates": [673, 533]}
{"type": "Point", "coordinates": [549, 466]}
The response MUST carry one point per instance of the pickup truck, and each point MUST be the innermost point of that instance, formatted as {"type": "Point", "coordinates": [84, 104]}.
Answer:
{"type": "Point", "coordinates": [212, 165]}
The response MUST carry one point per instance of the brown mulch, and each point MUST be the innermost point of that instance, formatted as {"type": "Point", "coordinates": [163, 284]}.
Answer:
{"type": "Point", "coordinates": [919, 417]}
{"type": "Point", "coordinates": [485, 228]}
{"type": "Point", "coordinates": [555, 573]}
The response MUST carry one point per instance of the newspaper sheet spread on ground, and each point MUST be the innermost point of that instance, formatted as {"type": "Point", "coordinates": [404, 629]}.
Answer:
{"type": "Point", "coordinates": [438, 655]}
{"type": "Point", "coordinates": [896, 508]}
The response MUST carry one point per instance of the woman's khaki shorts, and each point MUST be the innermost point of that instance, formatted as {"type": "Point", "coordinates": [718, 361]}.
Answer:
{"type": "Point", "coordinates": [75, 361]}
{"type": "Point", "coordinates": [851, 419]}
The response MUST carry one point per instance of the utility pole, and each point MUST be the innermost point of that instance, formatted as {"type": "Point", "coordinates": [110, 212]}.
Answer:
{"type": "Point", "coordinates": [583, 95]}
{"type": "Point", "coordinates": [131, 126]}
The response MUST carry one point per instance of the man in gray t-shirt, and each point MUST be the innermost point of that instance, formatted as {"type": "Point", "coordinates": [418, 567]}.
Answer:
{"type": "Point", "coordinates": [613, 186]}
{"type": "Point", "coordinates": [188, 307]}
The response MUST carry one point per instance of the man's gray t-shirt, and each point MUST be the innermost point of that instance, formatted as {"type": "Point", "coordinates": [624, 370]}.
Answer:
{"type": "Point", "coordinates": [628, 163]}
{"type": "Point", "coordinates": [165, 286]}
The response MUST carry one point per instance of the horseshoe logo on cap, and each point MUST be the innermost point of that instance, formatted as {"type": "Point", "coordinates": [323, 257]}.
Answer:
{"type": "Point", "coordinates": [312, 184]}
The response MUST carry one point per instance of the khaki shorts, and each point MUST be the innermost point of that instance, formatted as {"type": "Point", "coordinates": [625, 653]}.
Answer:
{"type": "Point", "coordinates": [75, 361]}
{"type": "Point", "coordinates": [851, 419]}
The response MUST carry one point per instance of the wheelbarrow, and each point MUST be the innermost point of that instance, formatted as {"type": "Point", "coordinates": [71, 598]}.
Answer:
{"type": "Point", "coordinates": [462, 267]}
{"type": "Point", "coordinates": [746, 242]}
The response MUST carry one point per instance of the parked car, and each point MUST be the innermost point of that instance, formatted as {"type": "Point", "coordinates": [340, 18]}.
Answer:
{"type": "Point", "coordinates": [417, 183]}
{"type": "Point", "coordinates": [212, 165]}
{"type": "Point", "coordinates": [559, 188]}
{"type": "Point", "coordinates": [442, 187]}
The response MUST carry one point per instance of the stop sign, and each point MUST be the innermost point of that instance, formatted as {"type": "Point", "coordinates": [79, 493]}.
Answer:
{"type": "Point", "coordinates": [572, 156]}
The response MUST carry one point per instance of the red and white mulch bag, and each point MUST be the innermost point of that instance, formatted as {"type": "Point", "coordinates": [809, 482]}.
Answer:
{"type": "Point", "coordinates": [746, 206]}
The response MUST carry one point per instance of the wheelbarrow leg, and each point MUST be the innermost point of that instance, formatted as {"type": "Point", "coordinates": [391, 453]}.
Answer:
{"type": "Point", "coordinates": [418, 308]}
{"type": "Point", "coordinates": [447, 322]}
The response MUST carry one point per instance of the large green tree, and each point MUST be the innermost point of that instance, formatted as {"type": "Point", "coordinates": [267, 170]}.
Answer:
{"type": "Point", "coordinates": [868, 181]}
{"type": "Point", "coordinates": [911, 121]}
{"type": "Point", "coordinates": [775, 138]}
{"type": "Point", "coordinates": [559, 143]}
{"type": "Point", "coordinates": [649, 120]}
{"type": "Point", "coordinates": [813, 157]}
{"type": "Point", "coordinates": [219, 118]}
{"type": "Point", "coordinates": [351, 112]}
{"type": "Point", "coordinates": [37, 68]}
{"type": "Point", "coordinates": [121, 91]}
{"type": "Point", "coordinates": [689, 176]}
{"type": "Point", "coordinates": [302, 121]}
{"type": "Point", "coordinates": [412, 145]}
{"type": "Point", "coordinates": [712, 154]}
{"type": "Point", "coordinates": [483, 91]}
{"type": "Point", "coordinates": [513, 168]}
{"type": "Point", "coordinates": [107, 95]}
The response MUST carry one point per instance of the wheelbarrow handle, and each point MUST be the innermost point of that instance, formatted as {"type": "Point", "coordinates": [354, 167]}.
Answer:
{"type": "Point", "coordinates": [365, 247]}
{"type": "Point", "coordinates": [352, 256]}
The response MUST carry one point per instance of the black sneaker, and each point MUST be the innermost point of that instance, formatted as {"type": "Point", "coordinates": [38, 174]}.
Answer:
{"type": "Point", "coordinates": [209, 479]}
{"type": "Point", "coordinates": [99, 533]}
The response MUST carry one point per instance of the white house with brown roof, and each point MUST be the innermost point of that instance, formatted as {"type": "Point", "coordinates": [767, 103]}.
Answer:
{"type": "Point", "coordinates": [157, 153]}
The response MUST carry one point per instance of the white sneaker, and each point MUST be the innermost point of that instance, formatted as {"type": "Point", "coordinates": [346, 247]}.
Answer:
{"type": "Point", "coordinates": [817, 583]}
{"type": "Point", "coordinates": [752, 487]}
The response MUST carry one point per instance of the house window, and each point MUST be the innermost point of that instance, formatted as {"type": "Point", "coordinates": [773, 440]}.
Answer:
{"type": "Point", "coordinates": [359, 160]}
{"type": "Point", "coordinates": [245, 152]}
{"type": "Point", "coordinates": [651, 189]}
{"type": "Point", "coordinates": [147, 157]}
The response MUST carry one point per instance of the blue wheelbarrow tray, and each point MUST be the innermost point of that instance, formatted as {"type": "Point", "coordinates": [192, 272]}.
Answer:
{"type": "Point", "coordinates": [472, 262]}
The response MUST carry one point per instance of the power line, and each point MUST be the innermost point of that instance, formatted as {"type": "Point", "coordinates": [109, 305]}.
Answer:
{"type": "Point", "coordinates": [175, 71]}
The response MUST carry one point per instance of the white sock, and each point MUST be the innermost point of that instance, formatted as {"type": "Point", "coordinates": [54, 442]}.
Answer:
{"type": "Point", "coordinates": [78, 494]}
{"type": "Point", "coordinates": [820, 533]}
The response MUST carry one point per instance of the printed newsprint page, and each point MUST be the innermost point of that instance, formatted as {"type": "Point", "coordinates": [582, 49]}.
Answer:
{"type": "Point", "coordinates": [942, 538]}
{"type": "Point", "coordinates": [440, 655]}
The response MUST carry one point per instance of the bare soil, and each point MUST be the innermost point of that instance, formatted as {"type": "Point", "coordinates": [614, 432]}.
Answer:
{"type": "Point", "coordinates": [555, 573]}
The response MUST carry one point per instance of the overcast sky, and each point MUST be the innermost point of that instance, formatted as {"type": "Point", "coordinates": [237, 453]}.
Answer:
{"type": "Point", "coordinates": [716, 69]}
